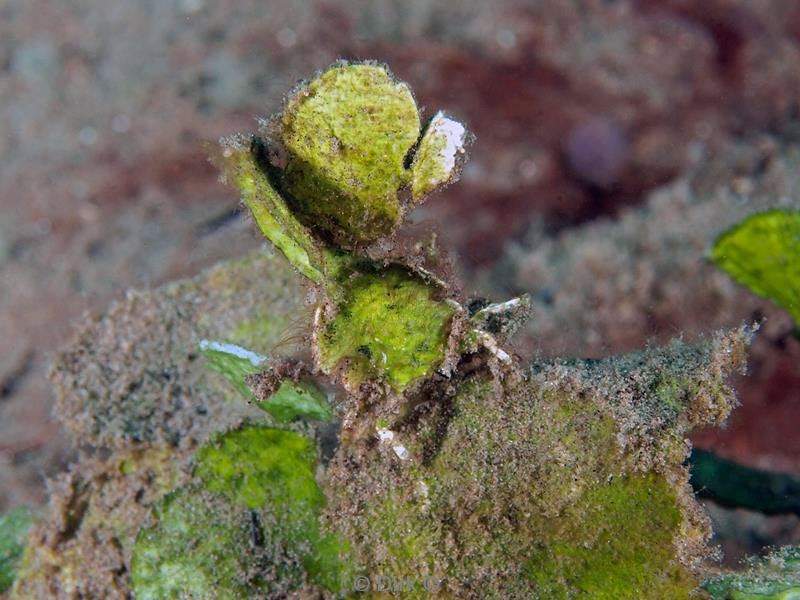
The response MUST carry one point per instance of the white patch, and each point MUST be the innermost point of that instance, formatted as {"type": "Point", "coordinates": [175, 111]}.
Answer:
{"type": "Point", "coordinates": [454, 136]}
{"type": "Point", "coordinates": [422, 487]}
{"type": "Point", "coordinates": [501, 307]}
{"type": "Point", "coordinates": [385, 435]}
{"type": "Point", "coordinates": [488, 342]}
{"type": "Point", "coordinates": [401, 452]}
{"type": "Point", "coordinates": [502, 354]}
{"type": "Point", "coordinates": [239, 352]}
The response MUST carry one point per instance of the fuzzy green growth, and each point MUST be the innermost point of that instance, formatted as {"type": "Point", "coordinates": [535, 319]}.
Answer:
{"type": "Point", "coordinates": [251, 521]}
{"type": "Point", "coordinates": [589, 528]}
{"type": "Point", "coordinates": [293, 401]}
{"type": "Point", "coordinates": [616, 543]}
{"type": "Point", "coordinates": [509, 503]}
{"type": "Point", "coordinates": [14, 528]}
{"type": "Point", "coordinates": [775, 577]}
{"type": "Point", "coordinates": [347, 135]}
{"type": "Point", "coordinates": [389, 325]}
{"type": "Point", "coordinates": [763, 253]}
{"type": "Point", "coordinates": [189, 552]}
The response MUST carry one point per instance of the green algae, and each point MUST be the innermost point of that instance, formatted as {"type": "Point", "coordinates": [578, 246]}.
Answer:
{"type": "Point", "coordinates": [763, 253]}
{"type": "Point", "coordinates": [14, 528]}
{"type": "Point", "coordinates": [259, 465]}
{"type": "Point", "coordinates": [172, 561]}
{"type": "Point", "coordinates": [251, 519]}
{"type": "Point", "coordinates": [347, 134]}
{"type": "Point", "coordinates": [530, 488]}
{"type": "Point", "coordinates": [615, 543]}
{"type": "Point", "coordinates": [389, 325]}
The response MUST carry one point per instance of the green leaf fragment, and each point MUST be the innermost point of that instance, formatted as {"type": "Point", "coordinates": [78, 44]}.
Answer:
{"type": "Point", "coordinates": [233, 362]}
{"type": "Point", "coordinates": [763, 253]}
{"type": "Point", "coordinates": [14, 528]}
{"type": "Point", "coordinates": [269, 209]}
{"type": "Point", "coordinates": [294, 401]}
{"type": "Point", "coordinates": [775, 577]}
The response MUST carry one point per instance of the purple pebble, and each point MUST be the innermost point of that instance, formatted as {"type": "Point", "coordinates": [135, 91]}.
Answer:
{"type": "Point", "coordinates": [597, 151]}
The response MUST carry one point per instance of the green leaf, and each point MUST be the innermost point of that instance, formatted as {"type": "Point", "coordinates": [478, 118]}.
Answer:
{"type": "Point", "coordinates": [763, 253]}
{"type": "Point", "coordinates": [775, 577]}
{"type": "Point", "coordinates": [293, 401]}
{"type": "Point", "coordinates": [277, 223]}
{"type": "Point", "coordinates": [234, 362]}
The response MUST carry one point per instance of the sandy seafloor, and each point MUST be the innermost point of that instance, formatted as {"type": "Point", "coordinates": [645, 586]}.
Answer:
{"type": "Point", "coordinates": [614, 140]}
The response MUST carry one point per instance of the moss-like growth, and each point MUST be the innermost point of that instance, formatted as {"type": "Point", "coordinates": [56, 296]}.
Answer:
{"type": "Point", "coordinates": [14, 528]}
{"type": "Point", "coordinates": [347, 134]}
{"type": "Point", "coordinates": [554, 486]}
{"type": "Point", "coordinates": [136, 375]}
{"type": "Point", "coordinates": [620, 548]}
{"type": "Point", "coordinates": [250, 519]}
{"type": "Point", "coordinates": [763, 253]}
{"type": "Point", "coordinates": [389, 325]}
{"type": "Point", "coordinates": [83, 547]}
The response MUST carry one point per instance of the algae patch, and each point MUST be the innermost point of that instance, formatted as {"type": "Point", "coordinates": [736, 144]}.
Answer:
{"type": "Point", "coordinates": [389, 325]}
{"type": "Point", "coordinates": [251, 519]}
{"type": "Point", "coordinates": [347, 135]}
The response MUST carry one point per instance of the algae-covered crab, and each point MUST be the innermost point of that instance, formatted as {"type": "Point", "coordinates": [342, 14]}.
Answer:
{"type": "Point", "coordinates": [408, 445]}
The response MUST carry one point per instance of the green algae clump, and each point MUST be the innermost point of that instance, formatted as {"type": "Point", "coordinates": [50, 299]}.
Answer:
{"type": "Point", "coordinates": [347, 134]}
{"type": "Point", "coordinates": [389, 325]}
{"type": "Point", "coordinates": [250, 520]}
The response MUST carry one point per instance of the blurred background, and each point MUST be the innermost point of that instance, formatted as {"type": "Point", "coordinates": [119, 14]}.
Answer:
{"type": "Point", "coordinates": [614, 139]}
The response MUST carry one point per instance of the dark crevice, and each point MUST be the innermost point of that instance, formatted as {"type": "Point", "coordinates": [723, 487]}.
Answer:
{"type": "Point", "coordinates": [733, 485]}
{"type": "Point", "coordinates": [10, 383]}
